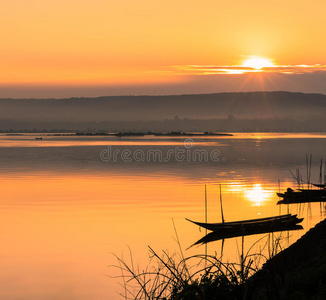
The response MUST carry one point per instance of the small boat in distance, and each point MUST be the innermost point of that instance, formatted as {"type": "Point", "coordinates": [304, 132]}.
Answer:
{"type": "Point", "coordinates": [39, 138]}
{"type": "Point", "coordinates": [319, 185]}
{"type": "Point", "coordinates": [302, 196]}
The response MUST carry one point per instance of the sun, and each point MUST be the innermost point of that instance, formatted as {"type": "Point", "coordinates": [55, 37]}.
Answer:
{"type": "Point", "coordinates": [258, 63]}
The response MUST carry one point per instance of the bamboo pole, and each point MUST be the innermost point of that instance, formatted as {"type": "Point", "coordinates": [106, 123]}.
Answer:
{"type": "Point", "coordinates": [205, 222]}
{"type": "Point", "coordinates": [222, 218]}
{"type": "Point", "coordinates": [279, 190]}
{"type": "Point", "coordinates": [221, 203]}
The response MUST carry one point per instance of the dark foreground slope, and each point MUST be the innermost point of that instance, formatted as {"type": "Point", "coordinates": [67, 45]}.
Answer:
{"type": "Point", "coordinates": [298, 272]}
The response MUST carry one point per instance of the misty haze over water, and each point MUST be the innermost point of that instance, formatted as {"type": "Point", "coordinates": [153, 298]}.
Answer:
{"type": "Point", "coordinates": [260, 111]}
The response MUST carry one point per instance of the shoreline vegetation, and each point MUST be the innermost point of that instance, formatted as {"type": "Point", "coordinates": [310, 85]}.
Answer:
{"type": "Point", "coordinates": [227, 124]}
{"type": "Point", "coordinates": [297, 272]}
{"type": "Point", "coordinates": [129, 133]}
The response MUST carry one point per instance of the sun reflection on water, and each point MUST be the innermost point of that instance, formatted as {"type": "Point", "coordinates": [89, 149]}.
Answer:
{"type": "Point", "coordinates": [257, 195]}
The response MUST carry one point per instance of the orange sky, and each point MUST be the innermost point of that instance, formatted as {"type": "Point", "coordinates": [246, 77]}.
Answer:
{"type": "Point", "coordinates": [127, 42]}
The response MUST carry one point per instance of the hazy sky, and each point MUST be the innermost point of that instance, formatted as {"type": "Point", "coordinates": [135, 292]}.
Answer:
{"type": "Point", "coordinates": [70, 47]}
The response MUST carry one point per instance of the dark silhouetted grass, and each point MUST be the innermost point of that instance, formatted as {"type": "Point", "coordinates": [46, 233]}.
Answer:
{"type": "Point", "coordinates": [172, 276]}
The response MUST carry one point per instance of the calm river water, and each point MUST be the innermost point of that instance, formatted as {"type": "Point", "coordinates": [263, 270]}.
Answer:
{"type": "Point", "coordinates": [67, 203]}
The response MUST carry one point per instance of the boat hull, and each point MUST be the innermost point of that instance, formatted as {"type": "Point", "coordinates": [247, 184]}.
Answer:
{"type": "Point", "coordinates": [248, 223]}
{"type": "Point", "coordinates": [248, 227]}
{"type": "Point", "coordinates": [226, 234]}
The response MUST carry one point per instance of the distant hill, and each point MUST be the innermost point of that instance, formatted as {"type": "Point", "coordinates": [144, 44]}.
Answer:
{"type": "Point", "coordinates": [152, 108]}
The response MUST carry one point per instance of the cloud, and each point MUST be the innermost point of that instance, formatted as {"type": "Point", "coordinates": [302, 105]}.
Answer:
{"type": "Point", "coordinates": [188, 80]}
{"type": "Point", "coordinates": [214, 70]}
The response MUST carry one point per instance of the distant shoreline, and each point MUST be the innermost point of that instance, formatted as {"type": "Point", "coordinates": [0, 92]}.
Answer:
{"type": "Point", "coordinates": [172, 133]}
{"type": "Point", "coordinates": [127, 133]}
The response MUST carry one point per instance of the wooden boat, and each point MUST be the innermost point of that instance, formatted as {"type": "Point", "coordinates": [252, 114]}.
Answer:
{"type": "Point", "coordinates": [248, 227]}
{"type": "Point", "coordinates": [302, 196]}
{"type": "Point", "coordinates": [320, 185]}
{"type": "Point", "coordinates": [231, 233]}
{"type": "Point", "coordinates": [247, 223]}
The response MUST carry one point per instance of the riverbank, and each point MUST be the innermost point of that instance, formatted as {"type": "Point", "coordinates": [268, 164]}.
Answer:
{"type": "Point", "coordinates": [298, 272]}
